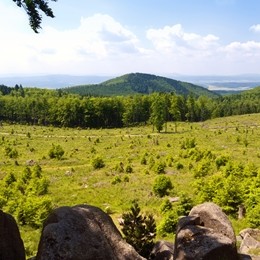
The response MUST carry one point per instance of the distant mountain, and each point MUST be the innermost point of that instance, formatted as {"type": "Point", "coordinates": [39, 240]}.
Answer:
{"type": "Point", "coordinates": [140, 83]}
{"type": "Point", "coordinates": [51, 81]}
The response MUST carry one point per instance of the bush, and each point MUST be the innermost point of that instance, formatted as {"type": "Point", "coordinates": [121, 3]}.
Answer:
{"type": "Point", "coordinates": [11, 152]}
{"type": "Point", "coordinates": [162, 185]}
{"type": "Point", "coordinates": [23, 196]}
{"type": "Point", "coordinates": [129, 169]}
{"type": "Point", "coordinates": [159, 167]}
{"type": "Point", "coordinates": [166, 206]}
{"type": "Point", "coordinates": [253, 216]}
{"type": "Point", "coordinates": [168, 223]}
{"type": "Point", "coordinates": [98, 163]}
{"type": "Point", "coordinates": [56, 152]}
{"type": "Point", "coordinates": [116, 180]}
{"type": "Point", "coordinates": [188, 143]}
{"type": "Point", "coordinates": [221, 161]}
{"type": "Point", "coordinates": [139, 230]}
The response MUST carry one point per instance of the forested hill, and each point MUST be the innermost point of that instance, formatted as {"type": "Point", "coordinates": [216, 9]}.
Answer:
{"type": "Point", "coordinates": [140, 83]}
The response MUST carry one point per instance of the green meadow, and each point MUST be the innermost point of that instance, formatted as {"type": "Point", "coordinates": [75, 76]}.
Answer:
{"type": "Point", "coordinates": [188, 153]}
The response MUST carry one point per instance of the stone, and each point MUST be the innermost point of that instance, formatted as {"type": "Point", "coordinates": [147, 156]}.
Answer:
{"type": "Point", "coordinates": [205, 234]}
{"type": "Point", "coordinates": [11, 244]}
{"type": "Point", "coordinates": [212, 216]}
{"type": "Point", "coordinates": [250, 240]}
{"type": "Point", "coordinates": [162, 250]}
{"type": "Point", "coordinates": [82, 232]}
{"type": "Point", "coordinates": [200, 243]}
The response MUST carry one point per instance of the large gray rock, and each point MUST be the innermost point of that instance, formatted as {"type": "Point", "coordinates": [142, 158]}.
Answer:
{"type": "Point", "coordinates": [206, 234]}
{"type": "Point", "coordinates": [212, 216]}
{"type": "Point", "coordinates": [82, 233]}
{"type": "Point", "coordinates": [11, 244]}
{"type": "Point", "coordinates": [200, 243]}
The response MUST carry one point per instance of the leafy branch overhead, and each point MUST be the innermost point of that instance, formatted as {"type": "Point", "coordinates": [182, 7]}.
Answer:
{"type": "Point", "coordinates": [32, 8]}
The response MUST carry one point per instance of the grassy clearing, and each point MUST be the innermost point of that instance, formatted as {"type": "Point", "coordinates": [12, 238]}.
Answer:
{"type": "Point", "coordinates": [74, 181]}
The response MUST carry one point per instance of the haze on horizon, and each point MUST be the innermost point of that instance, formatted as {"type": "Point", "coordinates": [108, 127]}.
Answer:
{"type": "Point", "coordinates": [187, 37]}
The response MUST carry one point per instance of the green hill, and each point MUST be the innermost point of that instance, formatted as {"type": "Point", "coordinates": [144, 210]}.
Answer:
{"type": "Point", "coordinates": [140, 83]}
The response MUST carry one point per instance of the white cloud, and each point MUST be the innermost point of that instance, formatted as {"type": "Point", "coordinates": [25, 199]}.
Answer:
{"type": "Point", "coordinates": [98, 38]}
{"type": "Point", "coordinates": [243, 49]}
{"type": "Point", "coordinates": [174, 40]}
{"type": "Point", "coordinates": [255, 28]}
{"type": "Point", "coordinates": [100, 45]}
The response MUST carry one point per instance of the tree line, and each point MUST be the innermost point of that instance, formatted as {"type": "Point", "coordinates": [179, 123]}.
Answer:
{"type": "Point", "coordinates": [58, 108]}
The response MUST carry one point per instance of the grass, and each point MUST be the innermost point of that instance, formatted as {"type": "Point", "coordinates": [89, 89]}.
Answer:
{"type": "Point", "coordinates": [74, 181]}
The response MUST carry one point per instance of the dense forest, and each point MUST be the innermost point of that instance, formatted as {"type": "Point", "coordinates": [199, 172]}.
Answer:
{"type": "Point", "coordinates": [58, 108]}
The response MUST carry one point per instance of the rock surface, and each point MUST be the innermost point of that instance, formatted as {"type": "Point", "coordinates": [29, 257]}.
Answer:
{"type": "Point", "coordinates": [250, 242]}
{"type": "Point", "coordinates": [206, 234]}
{"type": "Point", "coordinates": [11, 244]}
{"type": "Point", "coordinates": [162, 250]}
{"type": "Point", "coordinates": [212, 216]}
{"type": "Point", "coordinates": [82, 233]}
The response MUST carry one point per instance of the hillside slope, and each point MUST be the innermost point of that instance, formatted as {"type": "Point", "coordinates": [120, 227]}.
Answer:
{"type": "Point", "coordinates": [140, 83]}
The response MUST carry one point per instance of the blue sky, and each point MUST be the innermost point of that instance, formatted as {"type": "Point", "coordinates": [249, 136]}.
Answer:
{"type": "Point", "coordinates": [114, 37]}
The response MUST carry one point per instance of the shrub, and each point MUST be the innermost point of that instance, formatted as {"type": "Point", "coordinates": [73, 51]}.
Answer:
{"type": "Point", "coordinates": [98, 163]}
{"type": "Point", "coordinates": [166, 206]}
{"type": "Point", "coordinates": [56, 152]}
{"type": "Point", "coordinates": [116, 180]}
{"type": "Point", "coordinates": [179, 166]}
{"type": "Point", "coordinates": [23, 197]}
{"type": "Point", "coordinates": [253, 216]}
{"type": "Point", "coordinates": [11, 152]}
{"type": "Point", "coordinates": [139, 230]}
{"type": "Point", "coordinates": [159, 167]}
{"type": "Point", "coordinates": [168, 223]}
{"type": "Point", "coordinates": [129, 169]}
{"type": "Point", "coordinates": [188, 143]}
{"type": "Point", "coordinates": [221, 161]}
{"type": "Point", "coordinates": [184, 205]}
{"type": "Point", "coordinates": [162, 185]}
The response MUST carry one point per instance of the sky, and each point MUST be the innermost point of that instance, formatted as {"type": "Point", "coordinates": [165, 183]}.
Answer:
{"type": "Point", "coordinates": [115, 37]}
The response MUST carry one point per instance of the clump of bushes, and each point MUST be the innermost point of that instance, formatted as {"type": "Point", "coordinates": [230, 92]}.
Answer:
{"type": "Point", "coordinates": [25, 196]}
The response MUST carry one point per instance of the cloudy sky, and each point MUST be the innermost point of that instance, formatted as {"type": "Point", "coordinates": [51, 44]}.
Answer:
{"type": "Point", "coordinates": [114, 37]}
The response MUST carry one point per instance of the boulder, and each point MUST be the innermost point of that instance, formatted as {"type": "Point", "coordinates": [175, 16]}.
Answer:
{"type": "Point", "coordinates": [206, 234]}
{"type": "Point", "coordinates": [200, 243]}
{"type": "Point", "coordinates": [82, 232]}
{"type": "Point", "coordinates": [212, 216]}
{"type": "Point", "coordinates": [11, 244]}
{"type": "Point", "coordinates": [162, 250]}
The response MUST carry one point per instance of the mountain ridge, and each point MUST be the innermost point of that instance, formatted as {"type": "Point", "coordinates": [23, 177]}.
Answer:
{"type": "Point", "coordinates": [140, 83]}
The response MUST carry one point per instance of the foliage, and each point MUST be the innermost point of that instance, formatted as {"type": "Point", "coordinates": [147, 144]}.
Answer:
{"type": "Point", "coordinates": [162, 185]}
{"type": "Point", "coordinates": [32, 9]}
{"type": "Point", "coordinates": [11, 152]}
{"type": "Point", "coordinates": [158, 112]}
{"type": "Point", "coordinates": [168, 223]}
{"type": "Point", "coordinates": [56, 152]}
{"type": "Point", "coordinates": [165, 206]}
{"type": "Point", "coordinates": [139, 230]}
{"type": "Point", "coordinates": [159, 167]}
{"type": "Point", "coordinates": [24, 196]}
{"type": "Point", "coordinates": [98, 163]}
{"type": "Point", "coordinates": [58, 108]}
